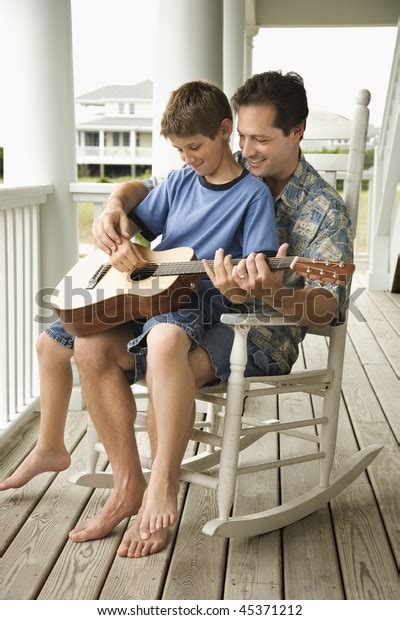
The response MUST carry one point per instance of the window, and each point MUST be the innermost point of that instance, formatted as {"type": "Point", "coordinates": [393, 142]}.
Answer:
{"type": "Point", "coordinates": [115, 138]}
{"type": "Point", "coordinates": [131, 108]}
{"type": "Point", "coordinates": [121, 108]}
{"type": "Point", "coordinates": [125, 136]}
{"type": "Point", "coordinates": [138, 139]}
{"type": "Point", "coordinates": [91, 138]}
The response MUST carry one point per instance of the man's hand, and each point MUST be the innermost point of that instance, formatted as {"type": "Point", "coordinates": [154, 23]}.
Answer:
{"type": "Point", "coordinates": [127, 256]}
{"type": "Point", "coordinates": [255, 277]}
{"type": "Point", "coordinates": [221, 277]}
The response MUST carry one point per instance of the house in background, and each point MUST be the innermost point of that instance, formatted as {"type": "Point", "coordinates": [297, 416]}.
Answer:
{"type": "Point", "coordinates": [116, 138]}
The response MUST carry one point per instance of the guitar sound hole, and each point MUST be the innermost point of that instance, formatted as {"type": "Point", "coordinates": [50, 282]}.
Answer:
{"type": "Point", "coordinates": [143, 274]}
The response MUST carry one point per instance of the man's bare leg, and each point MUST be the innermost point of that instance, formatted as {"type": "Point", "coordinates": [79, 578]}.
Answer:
{"type": "Point", "coordinates": [102, 360]}
{"type": "Point", "coordinates": [50, 453]}
{"type": "Point", "coordinates": [132, 545]}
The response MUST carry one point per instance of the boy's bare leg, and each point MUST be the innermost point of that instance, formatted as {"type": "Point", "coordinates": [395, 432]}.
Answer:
{"type": "Point", "coordinates": [102, 360]}
{"type": "Point", "coordinates": [50, 453]}
{"type": "Point", "coordinates": [132, 545]}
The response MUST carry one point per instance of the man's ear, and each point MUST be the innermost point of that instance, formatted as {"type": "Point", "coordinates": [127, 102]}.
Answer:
{"type": "Point", "coordinates": [298, 132]}
{"type": "Point", "coordinates": [226, 128]}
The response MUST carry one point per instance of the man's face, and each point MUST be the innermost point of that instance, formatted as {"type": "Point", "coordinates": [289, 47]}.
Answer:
{"type": "Point", "coordinates": [269, 152]}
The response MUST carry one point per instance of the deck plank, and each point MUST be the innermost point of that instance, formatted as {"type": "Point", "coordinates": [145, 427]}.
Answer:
{"type": "Point", "coordinates": [371, 426]}
{"type": "Point", "coordinates": [17, 504]}
{"type": "Point", "coordinates": [254, 567]}
{"type": "Point", "coordinates": [387, 389]}
{"type": "Point", "coordinates": [19, 445]}
{"type": "Point", "coordinates": [82, 568]}
{"type": "Point", "coordinates": [144, 578]}
{"type": "Point", "coordinates": [197, 566]}
{"type": "Point", "coordinates": [310, 563]}
{"type": "Point", "coordinates": [367, 562]}
{"type": "Point", "coordinates": [387, 307]}
{"type": "Point", "coordinates": [381, 329]}
{"type": "Point", "coordinates": [32, 554]}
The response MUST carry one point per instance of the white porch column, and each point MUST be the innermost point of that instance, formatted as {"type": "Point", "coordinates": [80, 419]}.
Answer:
{"type": "Point", "coordinates": [251, 32]}
{"type": "Point", "coordinates": [234, 42]}
{"type": "Point", "coordinates": [40, 122]}
{"type": "Point", "coordinates": [189, 41]}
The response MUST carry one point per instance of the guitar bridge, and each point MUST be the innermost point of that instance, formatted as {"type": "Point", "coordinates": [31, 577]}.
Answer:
{"type": "Point", "coordinates": [98, 275]}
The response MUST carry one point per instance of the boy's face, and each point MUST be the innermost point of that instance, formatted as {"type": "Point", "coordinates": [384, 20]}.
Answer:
{"type": "Point", "coordinates": [201, 153]}
{"type": "Point", "coordinates": [268, 151]}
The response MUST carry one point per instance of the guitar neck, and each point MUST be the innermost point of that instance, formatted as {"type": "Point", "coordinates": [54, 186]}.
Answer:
{"type": "Point", "coordinates": [196, 266]}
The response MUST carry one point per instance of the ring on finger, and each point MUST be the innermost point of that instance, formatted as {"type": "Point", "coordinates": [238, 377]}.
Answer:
{"type": "Point", "coordinates": [242, 276]}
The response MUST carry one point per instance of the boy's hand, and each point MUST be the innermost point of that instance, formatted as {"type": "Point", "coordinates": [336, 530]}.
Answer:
{"type": "Point", "coordinates": [127, 257]}
{"type": "Point", "coordinates": [254, 276]}
{"type": "Point", "coordinates": [111, 227]}
{"type": "Point", "coordinates": [221, 277]}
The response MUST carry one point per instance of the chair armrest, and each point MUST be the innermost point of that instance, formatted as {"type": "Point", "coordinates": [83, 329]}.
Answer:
{"type": "Point", "coordinates": [255, 319]}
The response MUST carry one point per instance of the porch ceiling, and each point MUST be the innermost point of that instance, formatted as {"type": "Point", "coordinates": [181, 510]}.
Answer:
{"type": "Point", "coordinates": [310, 13]}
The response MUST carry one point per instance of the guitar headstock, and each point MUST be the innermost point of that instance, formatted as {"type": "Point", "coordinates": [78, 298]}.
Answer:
{"type": "Point", "coordinates": [324, 271]}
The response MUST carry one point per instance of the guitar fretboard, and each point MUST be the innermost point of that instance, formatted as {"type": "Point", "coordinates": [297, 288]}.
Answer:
{"type": "Point", "coordinates": [196, 266]}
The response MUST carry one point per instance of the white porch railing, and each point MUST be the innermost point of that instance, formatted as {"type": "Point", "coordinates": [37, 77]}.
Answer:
{"type": "Point", "coordinates": [19, 283]}
{"type": "Point", "coordinates": [97, 194]}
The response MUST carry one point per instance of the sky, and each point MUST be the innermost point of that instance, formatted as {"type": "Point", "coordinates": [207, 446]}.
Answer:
{"type": "Point", "coordinates": [114, 42]}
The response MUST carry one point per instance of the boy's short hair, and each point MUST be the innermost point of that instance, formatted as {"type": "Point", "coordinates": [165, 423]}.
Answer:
{"type": "Point", "coordinates": [285, 92]}
{"type": "Point", "coordinates": [195, 108]}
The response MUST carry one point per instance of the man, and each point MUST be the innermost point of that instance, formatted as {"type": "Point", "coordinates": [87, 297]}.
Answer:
{"type": "Point", "coordinates": [311, 221]}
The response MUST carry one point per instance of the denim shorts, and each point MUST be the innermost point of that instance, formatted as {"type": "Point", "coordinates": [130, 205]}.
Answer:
{"type": "Point", "coordinates": [216, 339]}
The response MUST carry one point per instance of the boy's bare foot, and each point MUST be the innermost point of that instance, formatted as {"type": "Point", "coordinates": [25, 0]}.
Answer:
{"type": "Point", "coordinates": [132, 546]}
{"type": "Point", "coordinates": [160, 510]}
{"type": "Point", "coordinates": [37, 462]}
{"type": "Point", "coordinates": [121, 504]}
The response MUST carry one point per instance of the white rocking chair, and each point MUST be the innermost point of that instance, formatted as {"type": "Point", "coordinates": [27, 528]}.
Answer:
{"type": "Point", "coordinates": [239, 431]}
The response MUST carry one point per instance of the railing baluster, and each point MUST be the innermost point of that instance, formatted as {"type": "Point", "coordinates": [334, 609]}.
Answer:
{"type": "Point", "coordinates": [12, 326]}
{"type": "Point", "coordinates": [4, 368]}
{"type": "Point", "coordinates": [19, 306]}
{"type": "Point", "coordinates": [27, 297]}
{"type": "Point", "coordinates": [36, 283]}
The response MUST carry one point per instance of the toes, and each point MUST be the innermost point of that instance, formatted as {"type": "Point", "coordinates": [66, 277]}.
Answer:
{"type": "Point", "coordinates": [124, 546]}
{"type": "Point", "coordinates": [139, 546]}
{"type": "Point", "coordinates": [146, 550]}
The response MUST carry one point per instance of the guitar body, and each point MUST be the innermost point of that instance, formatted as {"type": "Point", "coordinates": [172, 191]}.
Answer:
{"type": "Point", "coordinates": [115, 298]}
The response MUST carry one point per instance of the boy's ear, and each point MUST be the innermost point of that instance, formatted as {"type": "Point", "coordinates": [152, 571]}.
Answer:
{"type": "Point", "coordinates": [226, 128]}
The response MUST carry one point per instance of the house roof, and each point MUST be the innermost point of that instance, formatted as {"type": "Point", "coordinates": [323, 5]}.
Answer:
{"type": "Point", "coordinates": [142, 90]}
{"type": "Point", "coordinates": [126, 122]}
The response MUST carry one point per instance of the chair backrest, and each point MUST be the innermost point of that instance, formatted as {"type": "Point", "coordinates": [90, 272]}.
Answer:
{"type": "Point", "coordinates": [324, 126]}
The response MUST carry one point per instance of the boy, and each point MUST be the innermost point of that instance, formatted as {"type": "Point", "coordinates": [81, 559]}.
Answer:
{"type": "Point", "coordinates": [209, 204]}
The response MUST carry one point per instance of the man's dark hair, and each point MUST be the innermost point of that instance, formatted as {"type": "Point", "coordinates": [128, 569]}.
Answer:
{"type": "Point", "coordinates": [195, 107]}
{"type": "Point", "coordinates": [285, 92]}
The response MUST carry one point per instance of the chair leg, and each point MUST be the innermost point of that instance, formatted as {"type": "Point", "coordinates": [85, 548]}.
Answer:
{"type": "Point", "coordinates": [212, 419]}
{"type": "Point", "coordinates": [331, 405]}
{"type": "Point", "coordinates": [91, 454]}
{"type": "Point", "coordinates": [232, 424]}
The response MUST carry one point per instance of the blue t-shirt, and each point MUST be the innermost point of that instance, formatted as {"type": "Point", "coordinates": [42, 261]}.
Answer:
{"type": "Point", "coordinates": [186, 210]}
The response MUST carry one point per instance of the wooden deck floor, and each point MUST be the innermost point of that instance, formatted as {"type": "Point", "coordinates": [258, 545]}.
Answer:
{"type": "Point", "coordinates": [348, 550]}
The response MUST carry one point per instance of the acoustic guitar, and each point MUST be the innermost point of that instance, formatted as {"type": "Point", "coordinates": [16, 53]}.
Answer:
{"type": "Point", "coordinates": [93, 296]}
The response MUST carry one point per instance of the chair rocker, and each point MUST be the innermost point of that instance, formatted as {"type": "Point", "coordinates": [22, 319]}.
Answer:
{"type": "Point", "coordinates": [239, 431]}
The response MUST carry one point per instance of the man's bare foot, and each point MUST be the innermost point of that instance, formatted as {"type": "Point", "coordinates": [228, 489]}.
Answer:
{"type": "Point", "coordinates": [132, 546]}
{"type": "Point", "coordinates": [37, 462]}
{"type": "Point", "coordinates": [160, 510]}
{"type": "Point", "coordinates": [120, 504]}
